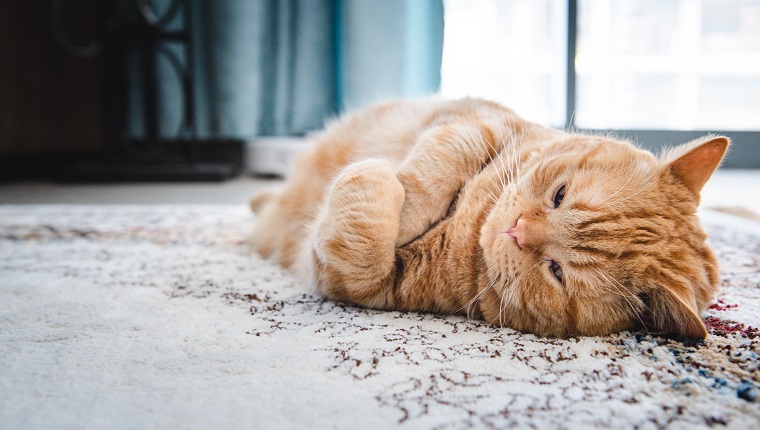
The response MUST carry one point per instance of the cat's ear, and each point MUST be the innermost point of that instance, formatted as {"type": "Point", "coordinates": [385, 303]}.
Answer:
{"type": "Point", "coordinates": [671, 312]}
{"type": "Point", "coordinates": [693, 163]}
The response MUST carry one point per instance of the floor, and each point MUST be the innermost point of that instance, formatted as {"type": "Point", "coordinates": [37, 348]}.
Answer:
{"type": "Point", "coordinates": [727, 189]}
{"type": "Point", "coordinates": [235, 191]}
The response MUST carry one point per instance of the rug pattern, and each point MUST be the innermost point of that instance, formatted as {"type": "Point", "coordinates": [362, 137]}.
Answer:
{"type": "Point", "coordinates": [420, 370]}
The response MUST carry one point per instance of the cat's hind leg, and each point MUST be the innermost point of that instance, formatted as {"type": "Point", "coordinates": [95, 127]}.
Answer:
{"type": "Point", "coordinates": [351, 252]}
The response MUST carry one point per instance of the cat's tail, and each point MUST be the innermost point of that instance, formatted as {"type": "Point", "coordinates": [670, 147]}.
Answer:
{"type": "Point", "coordinates": [258, 201]}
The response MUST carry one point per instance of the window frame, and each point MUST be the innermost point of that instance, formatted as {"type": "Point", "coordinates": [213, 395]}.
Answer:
{"type": "Point", "coordinates": [745, 145]}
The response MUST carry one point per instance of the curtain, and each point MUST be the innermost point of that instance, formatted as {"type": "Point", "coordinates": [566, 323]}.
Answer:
{"type": "Point", "coordinates": [389, 49]}
{"type": "Point", "coordinates": [281, 67]}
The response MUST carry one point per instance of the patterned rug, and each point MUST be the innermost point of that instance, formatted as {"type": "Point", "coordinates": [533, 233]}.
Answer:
{"type": "Point", "coordinates": [159, 317]}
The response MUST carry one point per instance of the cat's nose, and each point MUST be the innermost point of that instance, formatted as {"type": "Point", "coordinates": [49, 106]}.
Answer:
{"type": "Point", "coordinates": [518, 232]}
{"type": "Point", "coordinates": [531, 232]}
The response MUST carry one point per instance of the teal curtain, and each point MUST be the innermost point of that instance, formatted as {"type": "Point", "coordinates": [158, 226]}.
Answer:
{"type": "Point", "coordinates": [281, 67]}
{"type": "Point", "coordinates": [389, 49]}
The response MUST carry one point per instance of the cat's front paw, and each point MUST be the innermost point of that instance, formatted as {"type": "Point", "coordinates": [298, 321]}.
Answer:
{"type": "Point", "coordinates": [356, 232]}
{"type": "Point", "coordinates": [421, 210]}
{"type": "Point", "coordinates": [415, 220]}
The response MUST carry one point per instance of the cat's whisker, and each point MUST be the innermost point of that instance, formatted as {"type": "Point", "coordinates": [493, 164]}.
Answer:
{"type": "Point", "coordinates": [514, 159]}
{"type": "Point", "coordinates": [591, 199]}
{"type": "Point", "coordinates": [515, 281]}
{"type": "Point", "coordinates": [502, 140]}
{"type": "Point", "coordinates": [508, 150]}
{"type": "Point", "coordinates": [491, 198]}
{"type": "Point", "coordinates": [505, 289]}
{"type": "Point", "coordinates": [494, 200]}
{"type": "Point", "coordinates": [642, 188]}
{"type": "Point", "coordinates": [476, 298]}
{"type": "Point", "coordinates": [571, 128]}
{"type": "Point", "coordinates": [514, 140]}
{"type": "Point", "coordinates": [619, 189]}
{"type": "Point", "coordinates": [504, 175]}
{"type": "Point", "coordinates": [490, 192]}
{"type": "Point", "coordinates": [494, 197]}
{"type": "Point", "coordinates": [606, 285]}
{"type": "Point", "coordinates": [509, 177]}
{"type": "Point", "coordinates": [626, 297]}
{"type": "Point", "coordinates": [518, 162]}
{"type": "Point", "coordinates": [501, 176]}
{"type": "Point", "coordinates": [630, 196]}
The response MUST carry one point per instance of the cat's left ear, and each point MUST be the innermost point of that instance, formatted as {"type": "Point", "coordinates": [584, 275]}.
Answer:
{"type": "Point", "coordinates": [693, 163]}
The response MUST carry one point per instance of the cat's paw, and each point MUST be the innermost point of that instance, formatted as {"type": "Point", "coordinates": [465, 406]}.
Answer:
{"type": "Point", "coordinates": [415, 220]}
{"type": "Point", "coordinates": [420, 210]}
{"type": "Point", "coordinates": [356, 232]}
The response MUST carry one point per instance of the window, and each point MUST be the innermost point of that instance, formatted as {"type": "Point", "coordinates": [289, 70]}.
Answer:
{"type": "Point", "coordinates": [672, 64]}
{"type": "Point", "coordinates": [511, 51]}
{"type": "Point", "coordinates": [656, 71]}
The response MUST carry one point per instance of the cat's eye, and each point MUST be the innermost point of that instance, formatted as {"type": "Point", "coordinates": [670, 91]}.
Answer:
{"type": "Point", "coordinates": [559, 196]}
{"type": "Point", "coordinates": [556, 270]}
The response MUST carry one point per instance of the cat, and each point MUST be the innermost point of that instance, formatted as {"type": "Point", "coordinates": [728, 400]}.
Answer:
{"type": "Point", "coordinates": [463, 207]}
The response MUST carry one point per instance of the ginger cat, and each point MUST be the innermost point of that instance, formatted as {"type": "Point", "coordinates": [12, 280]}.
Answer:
{"type": "Point", "coordinates": [463, 207]}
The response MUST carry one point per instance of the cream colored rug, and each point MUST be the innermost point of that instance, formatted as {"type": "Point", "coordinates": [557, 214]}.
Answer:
{"type": "Point", "coordinates": [158, 317]}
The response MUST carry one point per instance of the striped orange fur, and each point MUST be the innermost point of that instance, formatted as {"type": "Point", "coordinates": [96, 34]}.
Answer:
{"type": "Point", "coordinates": [463, 207]}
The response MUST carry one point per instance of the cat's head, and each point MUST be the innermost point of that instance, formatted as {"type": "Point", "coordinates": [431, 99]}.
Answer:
{"type": "Point", "coordinates": [598, 236]}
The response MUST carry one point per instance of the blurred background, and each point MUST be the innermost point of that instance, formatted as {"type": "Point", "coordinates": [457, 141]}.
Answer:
{"type": "Point", "coordinates": [177, 88]}
{"type": "Point", "coordinates": [194, 90]}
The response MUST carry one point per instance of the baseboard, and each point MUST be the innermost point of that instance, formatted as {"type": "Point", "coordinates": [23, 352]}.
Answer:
{"type": "Point", "coordinates": [204, 160]}
{"type": "Point", "coordinates": [220, 159]}
{"type": "Point", "coordinates": [273, 156]}
{"type": "Point", "coordinates": [140, 172]}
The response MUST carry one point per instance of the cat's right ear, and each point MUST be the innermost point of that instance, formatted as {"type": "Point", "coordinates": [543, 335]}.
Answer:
{"type": "Point", "coordinates": [693, 163]}
{"type": "Point", "coordinates": [671, 312]}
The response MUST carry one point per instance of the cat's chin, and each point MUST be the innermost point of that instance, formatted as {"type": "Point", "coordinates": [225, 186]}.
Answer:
{"type": "Point", "coordinates": [489, 244]}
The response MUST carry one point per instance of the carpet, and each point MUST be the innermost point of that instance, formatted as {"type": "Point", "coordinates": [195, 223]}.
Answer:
{"type": "Point", "coordinates": [159, 317]}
